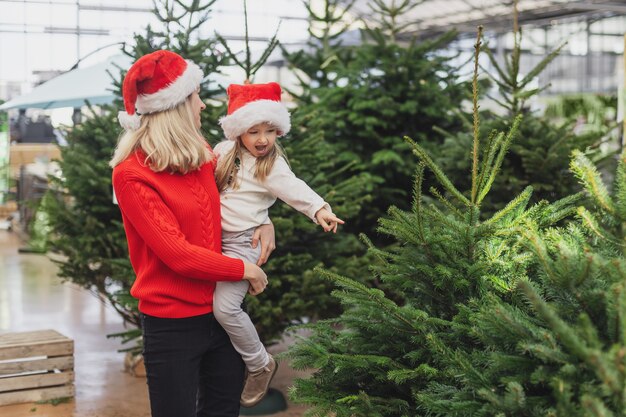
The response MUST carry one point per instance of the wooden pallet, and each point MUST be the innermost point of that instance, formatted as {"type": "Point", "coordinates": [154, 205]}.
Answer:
{"type": "Point", "coordinates": [35, 366]}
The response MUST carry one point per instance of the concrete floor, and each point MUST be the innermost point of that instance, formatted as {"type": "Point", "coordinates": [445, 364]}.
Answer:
{"type": "Point", "coordinates": [33, 298]}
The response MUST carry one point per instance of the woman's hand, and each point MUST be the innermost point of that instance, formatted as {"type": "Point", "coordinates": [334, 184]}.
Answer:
{"type": "Point", "coordinates": [264, 233]}
{"type": "Point", "coordinates": [256, 277]}
{"type": "Point", "coordinates": [328, 220]}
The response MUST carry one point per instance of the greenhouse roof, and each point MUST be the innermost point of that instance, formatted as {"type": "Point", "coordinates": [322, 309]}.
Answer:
{"type": "Point", "coordinates": [437, 16]}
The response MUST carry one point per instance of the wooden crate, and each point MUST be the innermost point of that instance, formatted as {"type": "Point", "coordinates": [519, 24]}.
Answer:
{"type": "Point", "coordinates": [7, 209]}
{"type": "Point", "coordinates": [27, 153]}
{"type": "Point", "coordinates": [35, 366]}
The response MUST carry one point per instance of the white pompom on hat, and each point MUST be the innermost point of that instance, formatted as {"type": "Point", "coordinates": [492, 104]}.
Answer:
{"type": "Point", "coordinates": [157, 81]}
{"type": "Point", "coordinates": [251, 104]}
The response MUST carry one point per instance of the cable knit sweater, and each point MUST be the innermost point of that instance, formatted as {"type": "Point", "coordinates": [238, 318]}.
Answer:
{"type": "Point", "coordinates": [172, 225]}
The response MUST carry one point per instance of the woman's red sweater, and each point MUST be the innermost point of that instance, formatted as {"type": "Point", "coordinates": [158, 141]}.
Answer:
{"type": "Point", "coordinates": [172, 224]}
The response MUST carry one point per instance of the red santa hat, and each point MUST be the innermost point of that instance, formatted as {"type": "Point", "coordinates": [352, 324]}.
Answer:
{"type": "Point", "coordinates": [251, 104]}
{"type": "Point", "coordinates": [157, 81]}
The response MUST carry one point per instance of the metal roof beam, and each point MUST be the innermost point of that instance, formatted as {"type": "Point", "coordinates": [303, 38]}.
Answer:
{"type": "Point", "coordinates": [600, 7]}
{"type": "Point", "coordinates": [537, 17]}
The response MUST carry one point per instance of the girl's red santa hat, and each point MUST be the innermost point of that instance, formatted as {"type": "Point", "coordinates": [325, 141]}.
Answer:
{"type": "Point", "coordinates": [251, 104]}
{"type": "Point", "coordinates": [157, 81]}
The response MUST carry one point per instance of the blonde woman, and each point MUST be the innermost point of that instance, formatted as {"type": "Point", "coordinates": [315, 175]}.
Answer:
{"type": "Point", "coordinates": [163, 178]}
{"type": "Point", "coordinates": [251, 173]}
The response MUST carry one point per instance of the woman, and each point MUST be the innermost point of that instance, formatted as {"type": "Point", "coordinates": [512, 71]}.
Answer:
{"type": "Point", "coordinates": [163, 178]}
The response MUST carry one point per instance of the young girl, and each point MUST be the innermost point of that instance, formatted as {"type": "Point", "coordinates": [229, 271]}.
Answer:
{"type": "Point", "coordinates": [251, 173]}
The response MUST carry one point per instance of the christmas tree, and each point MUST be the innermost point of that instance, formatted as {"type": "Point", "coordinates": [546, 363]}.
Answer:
{"type": "Point", "coordinates": [387, 354]}
{"type": "Point", "coordinates": [555, 344]}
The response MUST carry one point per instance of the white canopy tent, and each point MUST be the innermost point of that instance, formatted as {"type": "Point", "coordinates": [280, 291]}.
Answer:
{"type": "Point", "coordinates": [73, 88]}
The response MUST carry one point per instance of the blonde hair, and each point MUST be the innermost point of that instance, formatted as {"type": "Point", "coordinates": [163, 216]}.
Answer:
{"type": "Point", "coordinates": [228, 165]}
{"type": "Point", "coordinates": [169, 139]}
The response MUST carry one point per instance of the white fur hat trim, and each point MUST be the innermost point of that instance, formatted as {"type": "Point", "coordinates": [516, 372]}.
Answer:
{"type": "Point", "coordinates": [129, 122]}
{"type": "Point", "coordinates": [253, 113]}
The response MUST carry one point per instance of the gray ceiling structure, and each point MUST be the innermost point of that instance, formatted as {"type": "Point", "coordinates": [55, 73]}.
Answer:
{"type": "Point", "coordinates": [431, 17]}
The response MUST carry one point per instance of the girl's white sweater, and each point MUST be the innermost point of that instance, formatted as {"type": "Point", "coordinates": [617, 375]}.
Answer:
{"type": "Point", "coordinates": [248, 205]}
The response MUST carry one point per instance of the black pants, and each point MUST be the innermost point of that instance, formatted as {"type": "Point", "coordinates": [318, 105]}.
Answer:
{"type": "Point", "coordinates": [192, 368]}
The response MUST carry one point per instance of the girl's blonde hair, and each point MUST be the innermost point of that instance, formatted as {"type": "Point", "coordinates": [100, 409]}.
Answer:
{"type": "Point", "coordinates": [228, 165]}
{"type": "Point", "coordinates": [169, 139]}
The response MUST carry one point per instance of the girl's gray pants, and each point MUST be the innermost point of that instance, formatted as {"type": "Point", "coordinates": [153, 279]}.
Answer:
{"type": "Point", "coordinates": [229, 296]}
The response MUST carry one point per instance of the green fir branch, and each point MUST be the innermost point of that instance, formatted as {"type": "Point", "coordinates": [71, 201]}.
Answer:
{"type": "Point", "coordinates": [590, 222]}
{"type": "Point", "coordinates": [465, 368]}
{"type": "Point", "coordinates": [417, 198]}
{"type": "Point", "coordinates": [522, 95]}
{"type": "Point", "coordinates": [423, 371]}
{"type": "Point", "coordinates": [250, 68]}
{"type": "Point", "coordinates": [267, 52]}
{"type": "Point", "coordinates": [443, 179]}
{"type": "Point", "coordinates": [517, 50]}
{"type": "Point", "coordinates": [229, 52]}
{"type": "Point", "coordinates": [514, 205]}
{"type": "Point", "coordinates": [496, 65]}
{"type": "Point", "coordinates": [476, 131]}
{"type": "Point", "coordinates": [589, 176]}
{"type": "Point", "coordinates": [246, 39]}
{"type": "Point", "coordinates": [565, 333]}
{"type": "Point", "coordinates": [383, 256]}
{"type": "Point", "coordinates": [620, 187]}
{"type": "Point", "coordinates": [620, 295]}
{"type": "Point", "coordinates": [594, 406]}
{"type": "Point", "coordinates": [504, 147]}
{"type": "Point", "coordinates": [557, 211]}
{"type": "Point", "coordinates": [538, 69]}
{"type": "Point", "coordinates": [587, 328]}
{"type": "Point", "coordinates": [546, 354]}
{"type": "Point", "coordinates": [505, 104]}
{"type": "Point", "coordinates": [538, 247]}
{"type": "Point", "coordinates": [493, 144]}
{"type": "Point", "coordinates": [166, 15]}
{"type": "Point", "coordinates": [400, 225]}
{"type": "Point", "coordinates": [377, 296]}
{"type": "Point", "coordinates": [570, 338]}
{"type": "Point", "coordinates": [445, 202]}
{"type": "Point", "coordinates": [441, 218]}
